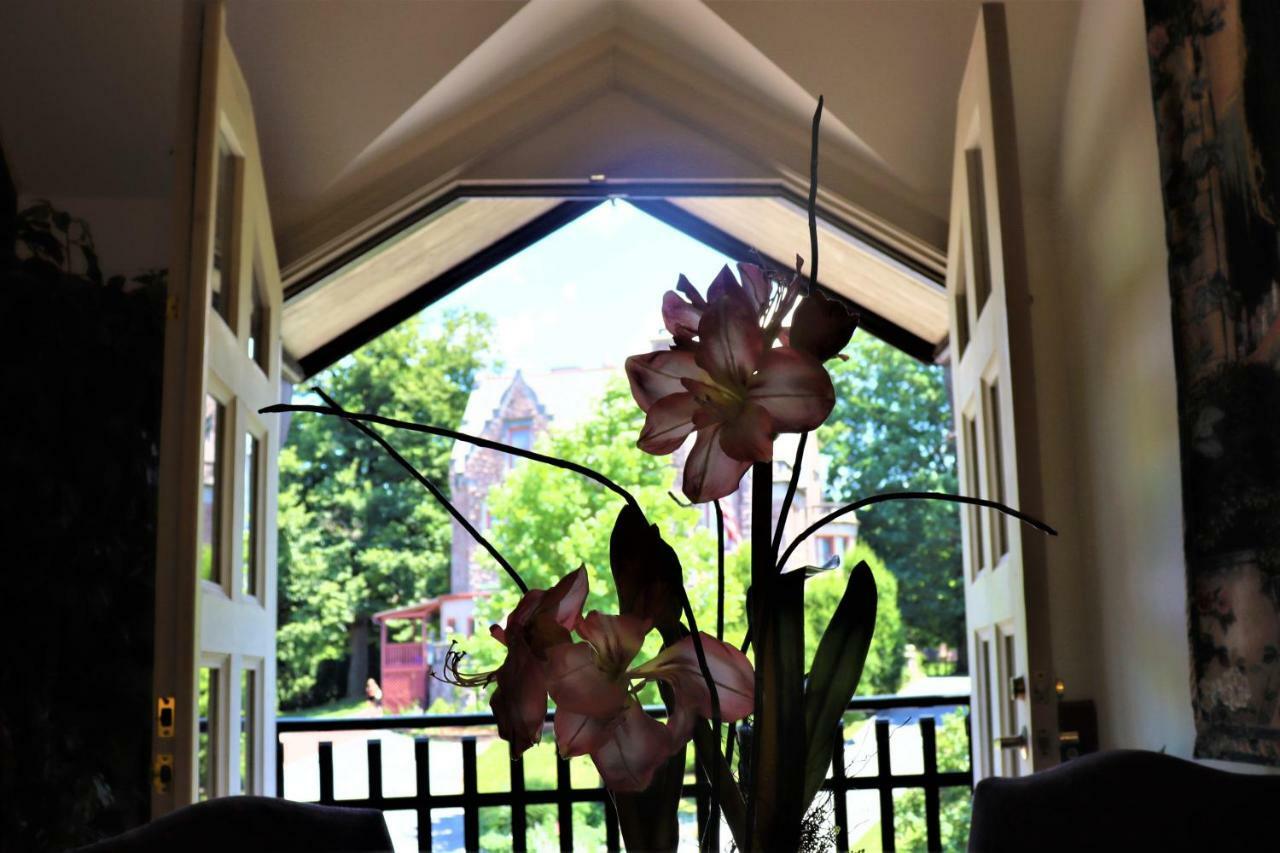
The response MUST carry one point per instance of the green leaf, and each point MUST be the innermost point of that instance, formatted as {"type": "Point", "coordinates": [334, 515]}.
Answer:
{"type": "Point", "coordinates": [837, 668]}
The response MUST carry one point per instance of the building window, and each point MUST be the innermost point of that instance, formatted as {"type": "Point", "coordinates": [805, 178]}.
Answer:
{"type": "Point", "coordinates": [517, 432]}
{"type": "Point", "coordinates": [831, 546]}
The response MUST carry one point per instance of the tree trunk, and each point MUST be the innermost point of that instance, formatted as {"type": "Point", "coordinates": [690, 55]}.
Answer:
{"type": "Point", "coordinates": [358, 656]}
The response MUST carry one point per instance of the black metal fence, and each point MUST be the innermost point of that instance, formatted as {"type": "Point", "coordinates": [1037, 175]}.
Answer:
{"type": "Point", "coordinates": [564, 795]}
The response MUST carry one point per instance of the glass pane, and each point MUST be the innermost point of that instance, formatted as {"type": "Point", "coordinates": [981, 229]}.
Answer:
{"type": "Point", "coordinates": [978, 228]}
{"type": "Point", "coordinates": [972, 489]}
{"type": "Point", "coordinates": [258, 323]}
{"type": "Point", "coordinates": [961, 302]}
{"type": "Point", "coordinates": [249, 533]}
{"type": "Point", "coordinates": [211, 489]}
{"type": "Point", "coordinates": [248, 694]}
{"type": "Point", "coordinates": [1000, 522]}
{"type": "Point", "coordinates": [223, 227]}
{"type": "Point", "coordinates": [207, 749]}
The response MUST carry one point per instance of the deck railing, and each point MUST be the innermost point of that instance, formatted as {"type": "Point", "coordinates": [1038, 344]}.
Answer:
{"type": "Point", "coordinates": [564, 795]}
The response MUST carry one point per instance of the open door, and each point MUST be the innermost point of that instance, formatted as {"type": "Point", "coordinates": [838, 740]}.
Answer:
{"type": "Point", "coordinates": [1013, 723]}
{"type": "Point", "coordinates": [216, 549]}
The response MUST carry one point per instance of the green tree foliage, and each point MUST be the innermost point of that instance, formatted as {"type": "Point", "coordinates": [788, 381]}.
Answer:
{"type": "Point", "coordinates": [909, 818]}
{"type": "Point", "coordinates": [357, 534]}
{"type": "Point", "coordinates": [891, 430]}
{"type": "Point", "coordinates": [883, 670]}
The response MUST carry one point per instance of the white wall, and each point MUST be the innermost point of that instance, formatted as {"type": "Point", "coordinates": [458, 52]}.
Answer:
{"type": "Point", "coordinates": [1111, 251]}
{"type": "Point", "coordinates": [1107, 395]}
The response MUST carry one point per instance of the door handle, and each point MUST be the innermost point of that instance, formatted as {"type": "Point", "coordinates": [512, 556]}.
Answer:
{"type": "Point", "coordinates": [1018, 741]}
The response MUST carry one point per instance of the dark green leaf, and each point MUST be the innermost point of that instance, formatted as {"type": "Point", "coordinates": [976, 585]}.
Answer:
{"type": "Point", "coordinates": [837, 668]}
{"type": "Point", "coordinates": [779, 726]}
{"type": "Point", "coordinates": [646, 571]}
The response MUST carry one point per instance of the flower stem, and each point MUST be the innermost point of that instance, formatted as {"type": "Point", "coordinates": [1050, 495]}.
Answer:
{"type": "Point", "coordinates": [910, 496]}
{"type": "Point", "coordinates": [434, 490]}
{"type": "Point", "coordinates": [719, 572]}
{"type": "Point", "coordinates": [457, 436]}
{"type": "Point", "coordinates": [813, 200]}
{"type": "Point", "coordinates": [790, 496]}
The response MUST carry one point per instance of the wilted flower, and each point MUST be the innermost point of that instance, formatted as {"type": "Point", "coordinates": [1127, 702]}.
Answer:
{"type": "Point", "coordinates": [732, 385]}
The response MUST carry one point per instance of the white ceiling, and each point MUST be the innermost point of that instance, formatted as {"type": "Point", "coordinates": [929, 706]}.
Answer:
{"type": "Point", "coordinates": [367, 107]}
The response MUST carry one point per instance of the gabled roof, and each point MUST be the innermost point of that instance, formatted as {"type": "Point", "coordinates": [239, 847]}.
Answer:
{"type": "Point", "coordinates": [566, 396]}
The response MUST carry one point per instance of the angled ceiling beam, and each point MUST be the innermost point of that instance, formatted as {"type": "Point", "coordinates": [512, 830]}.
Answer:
{"type": "Point", "coordinates": [442, 285]}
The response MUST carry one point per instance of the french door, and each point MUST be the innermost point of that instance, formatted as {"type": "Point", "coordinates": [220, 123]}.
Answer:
{"type": "Point", "coordinates": [216, 551]}
{"type": "Point", "coordinates": [1014, 721]}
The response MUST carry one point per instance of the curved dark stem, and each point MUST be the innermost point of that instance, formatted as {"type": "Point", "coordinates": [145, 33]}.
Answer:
{"type": "Point", "coordinates": [433, 489]}
{"type": "Point", "coordinates": [714, 806]}
{"type": "Point", "coordinates": [813, 204]}
{"type": "Point", "coordinates": [911, 496]}
{"type": "Point", "coordinates": [791, 490]}
{"type": "Point", "coordinates": [719, 571]}
{"type": "Point", "coordinates": [457, 436]}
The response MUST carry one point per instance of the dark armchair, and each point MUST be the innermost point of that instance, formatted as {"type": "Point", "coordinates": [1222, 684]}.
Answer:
{"type": "Point", "coordinates": [1127, 800]}
{"type": "Point", "coordinates": [236, 824]}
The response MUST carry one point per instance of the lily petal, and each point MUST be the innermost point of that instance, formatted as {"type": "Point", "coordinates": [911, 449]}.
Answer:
{"type": "Point", "coordinates": [756, 284]}
{"type": "Point", "coordinates": [579, 734]}
{"type": "Point", "coordinates": [656, 375]}
{"type": "Point", "coordinates": [577, 681]}
{"type": "Point", "coordinates": [636, 748]}
{"type": "Point", "coordinates": [566, 598]}
{"type": "Point", "coordinates": [794, 387]}
{"type": "Point", "coordinates": [520, 701]}
{"type": "Point", "coordinates": [731, 342]}
{"type": "Point", "coordinates": [616, 639]}
{"type": "Point", "coordinates": [680, 318]}
{"type": "Point", "coordinates": [684, 286]}
{"type": "Point", "coordinates": [709, 472]}
{"type": "Point", "coordinates": [677, 665]}
{"type": "Point", "coordinates": [748, 436]}
{"type": "Point", "coordinates": [668, 424]}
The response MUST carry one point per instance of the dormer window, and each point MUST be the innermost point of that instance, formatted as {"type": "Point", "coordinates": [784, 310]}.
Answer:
{"type": "Point", "coordinates": [518, 432]}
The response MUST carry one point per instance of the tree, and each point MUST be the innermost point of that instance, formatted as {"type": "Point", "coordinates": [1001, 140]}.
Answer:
{"type": "Point", "coordinates": [882, 672]}
{"type": "Point", "coordinates": [357, 534]}
{"type": "Point", "coordinates": [891, 430]}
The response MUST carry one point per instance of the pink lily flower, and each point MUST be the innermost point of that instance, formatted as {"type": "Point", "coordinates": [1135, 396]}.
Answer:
{"type": "Point", "coordinates": [732, 387]}
{"type": "Point", "coordinates": [595, 687]}
{"type": "Point", "coordinates": [537, 625]}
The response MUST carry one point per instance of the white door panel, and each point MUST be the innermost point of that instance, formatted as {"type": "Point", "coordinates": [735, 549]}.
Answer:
{"type": "Point", "coordinates": [993, 386]}
{"type": "Point", "coordinates": [216, 567]}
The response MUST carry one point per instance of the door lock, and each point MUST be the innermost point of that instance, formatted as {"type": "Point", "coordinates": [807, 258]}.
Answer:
{"type": "Point", "coordinates": [162, 773]}
{"type": "Point", "coordinates": [164, 716]}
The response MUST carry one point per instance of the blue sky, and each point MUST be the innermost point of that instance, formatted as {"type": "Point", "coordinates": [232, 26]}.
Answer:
{"type": "Point", "coordinates": [587, 295]}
